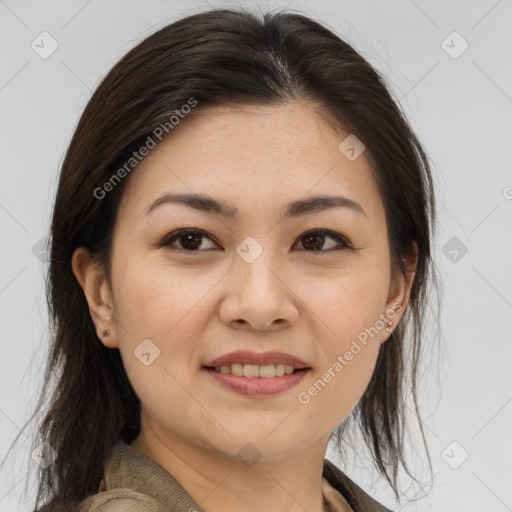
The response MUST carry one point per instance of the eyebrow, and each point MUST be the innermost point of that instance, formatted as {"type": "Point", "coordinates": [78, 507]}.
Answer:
{"type": "Point", "coordinates": [297, 208]}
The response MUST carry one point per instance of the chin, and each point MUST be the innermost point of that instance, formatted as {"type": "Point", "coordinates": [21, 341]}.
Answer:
{"type": "Point", "coordinates": [261, 443]}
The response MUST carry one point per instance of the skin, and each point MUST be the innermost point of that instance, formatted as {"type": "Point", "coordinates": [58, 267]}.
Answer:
{"type": "Point", "coordinates": [200, 305]}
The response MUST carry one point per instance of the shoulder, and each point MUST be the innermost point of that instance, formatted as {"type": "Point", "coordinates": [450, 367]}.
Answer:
{"type": "Point", "coordinates": [119, 500]}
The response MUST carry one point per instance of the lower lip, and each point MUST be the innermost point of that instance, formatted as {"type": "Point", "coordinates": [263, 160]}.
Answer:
{"type": "Point", "coordinates": [258, 386]}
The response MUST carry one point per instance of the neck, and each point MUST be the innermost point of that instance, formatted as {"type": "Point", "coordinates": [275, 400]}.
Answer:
{"type": "Point", "coordinates": [292, 483]}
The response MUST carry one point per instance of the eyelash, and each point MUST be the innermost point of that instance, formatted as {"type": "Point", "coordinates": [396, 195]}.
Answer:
{"type": "Point", "coordinates": [169, 239]}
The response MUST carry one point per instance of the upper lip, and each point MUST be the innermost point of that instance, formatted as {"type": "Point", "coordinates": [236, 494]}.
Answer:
{"type": "Point", "coordinates": [259, 358]}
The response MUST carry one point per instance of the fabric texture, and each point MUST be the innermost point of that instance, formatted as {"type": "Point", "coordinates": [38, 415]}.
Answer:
{"type": "Point", "coordinates": [133, 482]}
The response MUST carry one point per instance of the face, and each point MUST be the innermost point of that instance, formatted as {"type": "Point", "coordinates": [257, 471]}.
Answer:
{"type": "Point", "coordinates": [191, 285]}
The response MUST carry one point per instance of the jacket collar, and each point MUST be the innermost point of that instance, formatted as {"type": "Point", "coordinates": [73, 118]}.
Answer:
{"type": "Point", "coordinates": [127, 468]}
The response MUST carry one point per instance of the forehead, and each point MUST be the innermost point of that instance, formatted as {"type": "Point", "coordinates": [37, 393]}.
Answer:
{"type": "Point", "coordinates": [271, 154]}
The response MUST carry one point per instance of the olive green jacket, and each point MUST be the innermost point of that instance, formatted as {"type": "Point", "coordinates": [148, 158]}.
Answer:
{"type": "Point", "coordinates": [133, 482]}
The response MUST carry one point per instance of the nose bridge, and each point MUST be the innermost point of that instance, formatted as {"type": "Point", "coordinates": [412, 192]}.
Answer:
{"type": "Point", "coordinates": [256, 293]}
{"type": "Point", "coordinates": [255, 264]}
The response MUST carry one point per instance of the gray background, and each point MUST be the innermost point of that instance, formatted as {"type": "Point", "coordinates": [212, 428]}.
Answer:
{"type": "Point", "coordinates": [459, 105]}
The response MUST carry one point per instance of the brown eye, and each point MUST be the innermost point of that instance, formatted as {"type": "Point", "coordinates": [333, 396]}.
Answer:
{"type": "Point", "coordinates": [189, 240]}
{"type": "Point", "coordinates": [315, 240]}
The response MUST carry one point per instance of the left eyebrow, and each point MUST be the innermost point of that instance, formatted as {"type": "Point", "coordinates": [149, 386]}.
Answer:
{"type": "Point", "coordinates": [297, 208]}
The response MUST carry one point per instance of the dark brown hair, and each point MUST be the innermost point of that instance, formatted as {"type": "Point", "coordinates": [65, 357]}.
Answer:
{"type": "Point", "coordinates": [216, 58]}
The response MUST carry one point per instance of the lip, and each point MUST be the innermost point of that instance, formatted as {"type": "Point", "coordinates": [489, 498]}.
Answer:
{"type": "Point", "coordinates": [261, 359]}
{"type": "Point", "coordinates": [258, 386]}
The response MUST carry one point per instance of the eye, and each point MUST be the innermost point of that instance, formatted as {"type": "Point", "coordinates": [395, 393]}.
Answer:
{"type": "Point", "coordinates": [190, 240]}
{"type": "Point", "coordinates": [315, 240]}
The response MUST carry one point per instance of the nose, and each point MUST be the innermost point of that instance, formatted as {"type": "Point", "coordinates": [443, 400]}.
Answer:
{"type": "Point", "coordinates": [257, 296]}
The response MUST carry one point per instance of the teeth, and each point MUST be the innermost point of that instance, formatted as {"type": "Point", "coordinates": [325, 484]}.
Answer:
{"type": "Point", "coordinates": [253, 370]}
{"type": "Point", "coordinates": [237, 369]}
{"type": "Point", "coordinates": [267, 371]}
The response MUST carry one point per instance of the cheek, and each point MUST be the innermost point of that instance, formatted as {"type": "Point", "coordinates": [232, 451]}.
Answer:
{"type": "Point", "coordinates": [159, 309]}
{"type": "Point", "coordinates": [165, 399]}
{"type": "Point", "coordinates": [349, 306]}
{"type": "Point", "coordinates": [155, 298]}
{"type": "Point", "coordinates": [350, 301]}
{"type": "Point", "coordinates": [337, 392]}
{"type": "Point", "coordinates": [339, 383]}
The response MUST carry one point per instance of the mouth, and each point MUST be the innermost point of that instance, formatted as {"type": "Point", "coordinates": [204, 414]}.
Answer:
{"type": "Point", "coordinates": [252, 385]}
{"type": "Point", "coordinates": [257, 374]}
{"type": "Point", "coordinates": [252, 371]}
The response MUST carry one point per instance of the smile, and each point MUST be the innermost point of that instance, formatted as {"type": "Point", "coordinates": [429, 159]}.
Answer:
{"type": "Point", "coordinates": [257, 381]}
{"type": "Point", "coordinates": [253, 370]}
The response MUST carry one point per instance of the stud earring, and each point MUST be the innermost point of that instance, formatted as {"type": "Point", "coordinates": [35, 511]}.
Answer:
{"type": "Point", "coordinates": [389, 325]}
{"type": "Point", "coordinates": [105, 333]}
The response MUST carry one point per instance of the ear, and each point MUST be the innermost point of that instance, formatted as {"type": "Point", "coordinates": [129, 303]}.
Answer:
{"type": "Point", "coordinates": [92, 279]}
{"type": "Point", "coordinates": [400, 290]}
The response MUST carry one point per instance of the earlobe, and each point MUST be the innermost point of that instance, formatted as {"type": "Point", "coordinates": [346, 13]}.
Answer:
{"type": "Point", "coordinates": [94, 284]}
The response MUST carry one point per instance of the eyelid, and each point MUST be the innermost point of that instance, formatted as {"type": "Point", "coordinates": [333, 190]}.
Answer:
{"type": "Point", "coordinates": [173, 236]}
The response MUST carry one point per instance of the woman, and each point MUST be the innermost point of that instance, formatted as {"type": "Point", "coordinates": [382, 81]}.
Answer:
{"type": "Point", "coordinates": [240, 238]}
